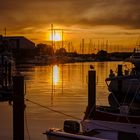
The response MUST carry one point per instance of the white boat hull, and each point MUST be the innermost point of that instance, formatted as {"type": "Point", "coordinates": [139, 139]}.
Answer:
{"type": "Point", "coordinates": [57, 134]}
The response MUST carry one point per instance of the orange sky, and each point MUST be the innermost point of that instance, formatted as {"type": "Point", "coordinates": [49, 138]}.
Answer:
{"type": "Point", "coordinates": [116, 21]}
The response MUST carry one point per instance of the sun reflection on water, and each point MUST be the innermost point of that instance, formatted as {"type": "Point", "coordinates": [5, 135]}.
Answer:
{"type": "Point", "coordinates": [56, 75]}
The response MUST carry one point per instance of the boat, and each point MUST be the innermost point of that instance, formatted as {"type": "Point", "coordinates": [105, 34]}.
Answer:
{"type": "Point", "coordinates": [120, 123]}
{"type": "Point", "coordinates": [59, 134]}
{"type": "Point", "coordinates": [124, 87]}
{"type": "Point", "coordinates": [135, 57]}
{"type": "Point", "coordinates": [103, 122]}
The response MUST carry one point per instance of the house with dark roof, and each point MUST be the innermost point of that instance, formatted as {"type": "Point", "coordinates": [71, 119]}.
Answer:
{"type": "Point", "coordinates": [19, 42]}
{"type": "Point", "coordinates": [21, 48]}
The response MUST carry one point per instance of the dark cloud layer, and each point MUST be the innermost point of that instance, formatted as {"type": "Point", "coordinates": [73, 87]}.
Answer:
{"type": "Point", "coordinates": [26, 13]}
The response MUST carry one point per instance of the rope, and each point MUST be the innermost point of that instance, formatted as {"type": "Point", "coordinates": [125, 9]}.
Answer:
{"type": "Point", "coordinates": [127, 92]}
{"type": "Point", "coordinates": [26, 124]}
{"type": "Point", "coordinates": [114, 96]}
{"type": "Point", "coordinates": [135, 95]}
{"type": "Point", "coordinates": [53, 110]}
{"type": "Point", "coordinates": [138, 136]}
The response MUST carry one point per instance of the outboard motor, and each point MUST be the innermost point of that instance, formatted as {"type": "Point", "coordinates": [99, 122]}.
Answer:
{"type": "Point", "coordinates": [71, 126]}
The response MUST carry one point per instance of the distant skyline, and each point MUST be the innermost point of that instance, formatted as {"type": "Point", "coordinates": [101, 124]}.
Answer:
{"type": "Point", "coordinates": [117, 21]}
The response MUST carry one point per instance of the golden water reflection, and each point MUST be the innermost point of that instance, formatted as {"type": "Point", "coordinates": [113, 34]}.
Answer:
{"type": "Point", "coordinates": [62, 87]}
{"type": "Point", "coordinates": [56, 75]}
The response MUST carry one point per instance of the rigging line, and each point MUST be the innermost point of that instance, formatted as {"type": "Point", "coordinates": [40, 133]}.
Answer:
{"type": "Point", "coordinates": [113, 96]}
{"type": "Point", "coordinates": [53, 109]}
{"type": "Point", "coordinates": [116, 99]}
{"type": "Point", "coordinates": [91, 110]}
{"type": "Point", "coordinates": [137, 133]}
{"type": "Point", "coordinates": [127, 92]}
{"type": "Point", "coordinates": [135, 95]}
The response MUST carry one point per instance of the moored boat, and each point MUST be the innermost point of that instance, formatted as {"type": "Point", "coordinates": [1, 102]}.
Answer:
{"type": "Point", "coordinates": [102, 122]}
{"type": "Point", "coordinates": [59, 134]}
{"type": "Point", "coordinates": [124, 87]}
{"type": "Point", "coordinates": [135, 57]}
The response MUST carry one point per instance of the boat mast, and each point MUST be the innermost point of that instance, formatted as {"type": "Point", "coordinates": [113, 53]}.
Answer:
{"type": "Point", "coordinates": [52, 33]}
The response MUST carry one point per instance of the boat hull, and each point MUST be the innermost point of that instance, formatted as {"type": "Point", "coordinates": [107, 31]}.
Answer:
{"type": "Point", "coordinates": [119, 115]}
{"type": "Point", "coordinates": [128, 92]}
{"type": "Point", "coordinates": [107, 129]}
{"type": "Point", "coordinates": [57, 134]}
{"type": "Point", "coordinates": [129, 85]}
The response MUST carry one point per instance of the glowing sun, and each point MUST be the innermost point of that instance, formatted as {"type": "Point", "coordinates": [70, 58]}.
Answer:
{"type": "Point", "coordinates": [55, 36]}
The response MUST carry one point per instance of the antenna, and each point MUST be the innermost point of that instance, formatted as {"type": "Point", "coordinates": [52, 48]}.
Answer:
{"type": "Point", "coordinates": [52, 32]}
{"type": "Point", "coordinates": [5, 31]}
{"type": "Point", "coordinates": [83, 45]}
{"type": "Point", "coordinates": [62, 37]}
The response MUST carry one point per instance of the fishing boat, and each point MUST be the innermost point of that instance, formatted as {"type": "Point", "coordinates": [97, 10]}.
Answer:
{"type": "Point", "coordinates": [124, 87]}
{"type": "Point", "coordinates": [102, 122]}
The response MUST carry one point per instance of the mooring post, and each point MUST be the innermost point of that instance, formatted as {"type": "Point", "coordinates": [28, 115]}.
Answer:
{"type": "Point", "coordinates": [9, 73]}
{"type": "Point", "coordinates": [120, 73]}
{"type": "Point", "coordinates": [2, 60]}
{"type": "Point", "coordinates": [2, 72]}
{"type": "Point", "coordinates": [6, 73]}
{"type": "Point", "coordinates": [91, 94]}
{"type": "Point", "coordinates": [18, 107]}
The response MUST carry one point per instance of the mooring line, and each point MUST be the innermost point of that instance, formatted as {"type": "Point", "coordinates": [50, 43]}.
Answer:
{"type": "Point", "coordinates": [53, 109]}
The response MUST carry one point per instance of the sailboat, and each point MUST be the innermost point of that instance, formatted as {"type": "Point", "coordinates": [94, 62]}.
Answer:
{"type": "Point", "coordinates": [101, 122]}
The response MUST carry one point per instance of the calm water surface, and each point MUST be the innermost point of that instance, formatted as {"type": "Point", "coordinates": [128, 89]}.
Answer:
{"type": "Point", "coordinates": [61, 87]}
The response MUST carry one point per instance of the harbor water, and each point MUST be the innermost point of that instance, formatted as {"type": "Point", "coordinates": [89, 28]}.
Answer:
{"type": "Point", "coordinates": [62, 88]}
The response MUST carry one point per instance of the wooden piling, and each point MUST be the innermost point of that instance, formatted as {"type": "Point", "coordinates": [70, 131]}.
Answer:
{"type": "Point", "coordinates": [6, 73]}
{"type": "Point", "coordinates": [120, 73]}
{"type": "Point", "coordinates": [9, 74]}
{"type": "Point", "coordinates": [2, 72]}
{"type": "Point", "coordinates": [91, 94]}
{"type": "Point", "coordinates": [18, 107]}
{"type": "Point", "coordinates": [2, 60]}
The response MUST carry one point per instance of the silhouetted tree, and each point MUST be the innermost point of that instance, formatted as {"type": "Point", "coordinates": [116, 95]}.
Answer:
{"type": "Point", "coordinates": [44, 49]}
{"type": "Point", "coordinates": [60, 51]}
{"type": "Point", "coordinates": [102, 55]}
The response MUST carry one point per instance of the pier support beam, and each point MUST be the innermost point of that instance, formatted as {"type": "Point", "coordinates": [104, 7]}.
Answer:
{"type": "Point", "coordinates": [18, 107]}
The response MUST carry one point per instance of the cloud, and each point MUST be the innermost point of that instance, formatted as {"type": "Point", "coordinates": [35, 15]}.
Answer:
{"type": "Point", "coordinates": [87, 13]}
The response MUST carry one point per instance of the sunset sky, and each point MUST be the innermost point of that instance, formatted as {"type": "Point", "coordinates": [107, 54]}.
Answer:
{"type": "Point", "coordinates": [109, 19]}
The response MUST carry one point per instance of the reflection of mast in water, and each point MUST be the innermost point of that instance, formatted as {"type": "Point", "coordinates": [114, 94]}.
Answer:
{"type": "Point", "coordinates": [106, 69]}
{"type": "Point", "coordinates": [83, 75]}
{"type": "Point", "coordinates": [52, 88]}
{"type": "Point", "coordinates": [82, 72]}
{"type": "Point", "coordinates": [62, 79]}
{"type": "Point", "coordinates": [69, 74]}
